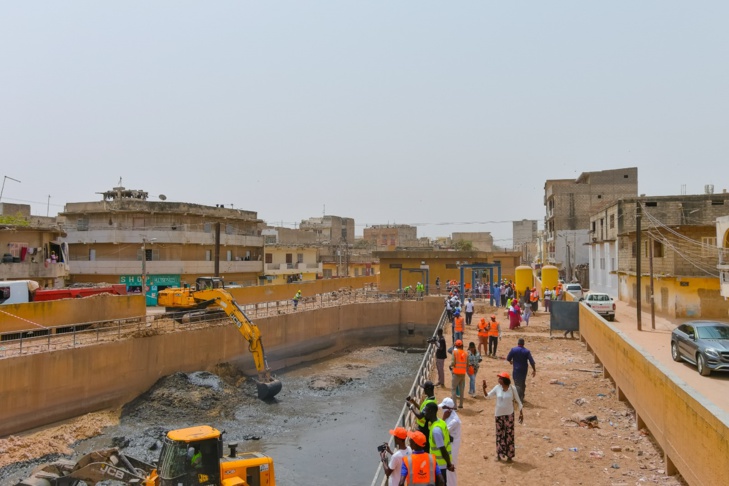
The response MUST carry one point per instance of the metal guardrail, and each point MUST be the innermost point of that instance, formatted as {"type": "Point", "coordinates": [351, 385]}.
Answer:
{"type": "Point", "coordinates": [406, 419]}
{"type": "Point", "coordinates": [45, 339]}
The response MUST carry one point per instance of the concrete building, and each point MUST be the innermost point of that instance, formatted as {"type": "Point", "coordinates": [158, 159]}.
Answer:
{"type": "Point", "coordinates": [28, 244]}
{"type": "Point", "coordinates": [389, 237]}
{"type": "Point", "coordinates": [408, 267]}
{"type": "Point", "coordinates": [118, 238]}
{"type": "Point", "coordinates": [570, 203]}
{"type": "Point", "coordinates": [291, 263]}
{"type": "Point", "coordinates": [722, 242]}
{"type": "Point", "coordinates": [330, 230]}
{"type": "Point", "coordinates": [680, 233]}
{"type": "Point", "coordinates": [287, 236]}
{"type": "Point", "coordinates": [524, 239]}
{"type": "Point", "coordinates": [480, 241]}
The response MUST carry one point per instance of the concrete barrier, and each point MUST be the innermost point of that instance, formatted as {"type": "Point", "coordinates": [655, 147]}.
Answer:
{"type": "Point", "coordinates": [269, 293]}
{"type": "Point", "coordinates": [42, 388]}
{"type": "Point", "coordinates": [67, 312]}
{"type": "Point", "coordinates": [691, 431]}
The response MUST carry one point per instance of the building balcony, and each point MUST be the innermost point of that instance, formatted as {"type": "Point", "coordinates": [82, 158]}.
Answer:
{"type": "Point", "coordinates": [161, 237]}
{"type": "Point", "coordinates": [159, 267]}
{"type": "Point", "coordinates": [293, 268]}
{"type": "Point", "coordinates": [30, 271]}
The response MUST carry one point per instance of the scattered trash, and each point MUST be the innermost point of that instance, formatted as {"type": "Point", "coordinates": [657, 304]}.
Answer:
{"type": "Point", "coordinates": [550, 454]}
{"type": "Point", "coordinates": [615, 466]}
{"type": "Point", "coordinates": [597, 454]}
{"type": "Point", "coordinates": [555, 382]}
{"type": "Point", "coordinates": [546, 437]}
{"type": "Point", "coordinates": [589, 421]}
{"type": "Point", "coordinates": [581, 401]}
{"type": "Point", "coordinates": [601, 395]}
{"type": "Point", "coordinates": [573, 449]}
{"type": "Point", "coordinates": [558, 449]}
{"type": "Point", "coordinates": [611, 424]}
{"type": "Point", "coordinates": [616, 448]}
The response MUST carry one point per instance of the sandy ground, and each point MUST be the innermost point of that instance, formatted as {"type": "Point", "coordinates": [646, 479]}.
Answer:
{"type": "Point", "coordinates": [615, 453]}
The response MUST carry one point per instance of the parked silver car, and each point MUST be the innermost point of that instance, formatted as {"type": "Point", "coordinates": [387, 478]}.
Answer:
{"type": "Point", "coordinates": [702, 343]}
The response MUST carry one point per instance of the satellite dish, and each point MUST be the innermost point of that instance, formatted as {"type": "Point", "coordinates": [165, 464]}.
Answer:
{"type": "Point", "coordinates": [162, 197]}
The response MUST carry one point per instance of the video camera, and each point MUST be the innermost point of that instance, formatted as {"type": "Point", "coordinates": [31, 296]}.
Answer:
{"type": "Point", "coordinates": [382, 448]}
{"type": "Point", "coordinates": [432, 340]}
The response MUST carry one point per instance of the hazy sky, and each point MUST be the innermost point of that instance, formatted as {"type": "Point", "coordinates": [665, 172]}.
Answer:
{"type": "Point", "coordinates": [406, 112]}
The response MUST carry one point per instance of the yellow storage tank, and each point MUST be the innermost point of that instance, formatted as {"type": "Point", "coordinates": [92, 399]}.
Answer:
{"type": "Point", "coordinates": [550, 277]}
{"type": "Point", "coordinates": [523, 277]}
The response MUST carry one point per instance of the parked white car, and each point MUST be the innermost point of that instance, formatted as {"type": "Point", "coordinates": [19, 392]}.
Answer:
{"type": "Point", "coordinates": [575, 289]}
{"type": "Point", "coordinates": [603, 304]}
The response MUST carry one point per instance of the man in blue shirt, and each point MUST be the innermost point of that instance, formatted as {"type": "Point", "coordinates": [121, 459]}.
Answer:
{"type": "Point", "coordinates": [520, 357]}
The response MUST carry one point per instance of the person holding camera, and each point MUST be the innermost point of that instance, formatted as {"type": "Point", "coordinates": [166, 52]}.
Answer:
{"type": "Point", "coordinates": [418, 409]}
{"type": "Point", "coordinates": [393, 468]}
{"type": "Point", "coordinates": [420, 464]}
{"type": "Point", "coordinates": [440, 356]}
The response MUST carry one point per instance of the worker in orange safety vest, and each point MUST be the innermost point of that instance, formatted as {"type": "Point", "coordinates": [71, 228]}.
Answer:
{"type": "Point", "coordinates": [494, 336]}
{"type": "Point", "coordinates": [458, 368]}
{"type": "Point", "coordinates": [420, 467]}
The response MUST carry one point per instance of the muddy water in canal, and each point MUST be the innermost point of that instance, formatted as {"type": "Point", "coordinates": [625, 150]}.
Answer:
{"type": "Point", "coordinates": [324, 426]}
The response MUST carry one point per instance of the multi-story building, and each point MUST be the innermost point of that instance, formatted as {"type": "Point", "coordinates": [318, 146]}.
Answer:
{"type": "Point", "coordinates": [480, 241]}
{"type": "Point", "coordinates": [722, 242]}
{"type": "Point", "coordinates": [291, 263]}
{"type": "Point", "coordinates": [287, 236]}
{"type": "Point", "coordinates": [330, 230]}
{"type": "Point", "coordinates": [571, 202]}
{"type": "Point", "coordinates": [391, 236]}
{"type": "Point", "coordinates": [31, 247]}
{"type": "Point", "coordinates": [524, 239]}
{"type": "Point", "coordinates": [125, 235]}
{"type": "Point", "coordinates": [678, 242]}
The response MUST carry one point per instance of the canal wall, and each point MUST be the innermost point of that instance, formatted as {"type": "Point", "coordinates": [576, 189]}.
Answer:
{"type": "Point", "coordinates": [43, 388]}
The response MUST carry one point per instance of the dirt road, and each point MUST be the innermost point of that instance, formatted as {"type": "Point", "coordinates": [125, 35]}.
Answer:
{"type": "Point", "coordinates": [616, 453]}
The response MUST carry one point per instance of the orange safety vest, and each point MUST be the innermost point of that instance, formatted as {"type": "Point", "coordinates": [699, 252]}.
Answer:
{"type": "Point", "coordinates": [461, 362]}
{"type": "Point", "coordinates": [483, 328]}
{"type": "Point", "coordinates": [534, 296]}
{"type": "Point", "coordinates": [421, 468]}
{"type": "Point", "coordinates": [459, 324]}
{"type": "Point", "coordinates": [493, 328]}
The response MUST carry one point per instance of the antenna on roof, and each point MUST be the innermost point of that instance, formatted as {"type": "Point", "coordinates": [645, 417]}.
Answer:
{"type": "Point", "coordinates": [120, 182]}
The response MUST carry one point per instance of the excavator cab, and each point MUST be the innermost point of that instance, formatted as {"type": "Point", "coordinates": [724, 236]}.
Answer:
{"type": "Point", "coordinates": [209, 283]}
{"type": "Point", "coordinates": [190, 457]}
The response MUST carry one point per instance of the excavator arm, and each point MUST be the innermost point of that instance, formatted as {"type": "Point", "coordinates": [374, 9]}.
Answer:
{"type": "Point", "coordinates": [268, 386]}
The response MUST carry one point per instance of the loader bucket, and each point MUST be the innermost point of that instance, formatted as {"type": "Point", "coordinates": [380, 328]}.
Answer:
{"type": "Point", "coordinates": [267, 390]}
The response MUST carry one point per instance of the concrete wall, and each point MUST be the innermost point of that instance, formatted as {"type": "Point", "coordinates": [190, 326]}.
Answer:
{"type": "Point", "coordinates": [269, 293]}
{"type": "Point", "coordinates": [691, 430]}
{"type": "Point", "coordinates": [43, 388]}
{"type": "Point", "coordinates": [65, 312]}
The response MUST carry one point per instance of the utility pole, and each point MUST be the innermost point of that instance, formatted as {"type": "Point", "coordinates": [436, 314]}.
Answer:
{"type": "Point", "coordinates": [638, 217]}
{"type": "Point", "coordinates": [48, 205]}
{"type": "Point", "coordinates": [650, 266]}
{"type": "Point", "coordinates": [144, 266]}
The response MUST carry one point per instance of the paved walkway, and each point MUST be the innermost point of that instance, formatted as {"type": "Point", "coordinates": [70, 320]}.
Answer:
{"type": "Point", "coordinates": [657, 342]}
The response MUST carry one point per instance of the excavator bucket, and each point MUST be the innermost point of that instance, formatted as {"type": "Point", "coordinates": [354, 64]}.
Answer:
{"type": "Point", "coordinates": [269, 389]}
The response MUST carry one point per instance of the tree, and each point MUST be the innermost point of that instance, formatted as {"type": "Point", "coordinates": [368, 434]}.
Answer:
{"type": "Point", "coordinates": [463, 245]}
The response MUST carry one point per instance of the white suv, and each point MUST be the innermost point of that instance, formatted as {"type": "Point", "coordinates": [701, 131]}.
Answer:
{"type": "Point", "coordinates": [575, 289]}
{"type": "Point", "coordinates": [603, 304]}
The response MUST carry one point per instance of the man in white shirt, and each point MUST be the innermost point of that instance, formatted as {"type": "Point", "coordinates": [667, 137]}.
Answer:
{"type": "Point", "coordinates": [394, 466]}
{"type": "Point", "coordinates": [469, 311]}
{"type": "Point", "coordinates": [453, 421]}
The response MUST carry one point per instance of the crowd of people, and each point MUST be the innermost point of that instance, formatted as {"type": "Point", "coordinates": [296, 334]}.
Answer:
{"type": "Point", "coordinates": [434, 442]}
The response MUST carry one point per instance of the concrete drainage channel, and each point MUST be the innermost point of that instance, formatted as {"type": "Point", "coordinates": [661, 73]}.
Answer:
{"type": "Point", "coordinates": [329, 411]}
{"type": "Point", "coordinates": [406, 419]}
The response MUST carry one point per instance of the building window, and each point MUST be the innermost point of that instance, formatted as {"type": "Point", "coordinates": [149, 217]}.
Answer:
{"type": "Point", "coordinates": [207, 227]}
{"type": "Point", "coordinates": [612, 221]}
{"type": "Point", "coordinates": [299, 258]}
{"type": "Point", "coordinates": [356, 272]}
{"type": "Point", "coordinates": [92, 255]}
{"type": "Point", "coordinates": [708, 246]}
{"type": "Point", "coordinates": [229, 255]}
{"type": "Point", "coordinates": [327, 272]}
{"type": "Point", "coordinates": [451, 265]}
{"type": "Point", "coordinates": [657, 249]}
{"type": "Point", "coordinates": [612, 264]}
{"type": "Point", "coordinates": [208, 255]}
{"type": "Point", "coordinates": [82, 224]}
{"type": "Point", "coordinates": [138, 223]}
{"type": "Point", "coordinates": [229, 229]}
{"type": "Point", "coordinates": [602, 264]}
{"type": "Point", "coordinates": [634, 249]}
{"type": "Point", "coordinates": [395, 265]}
{"type": "Point", "coordinates": [289, 258]}
{"type": "Point", "coordinates": [269, 257]}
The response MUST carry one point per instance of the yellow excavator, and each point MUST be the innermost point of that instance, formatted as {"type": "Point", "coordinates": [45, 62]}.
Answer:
{"type": "Point", "coordinates": [209, 293]}
{"type": "Point", "coordinates": [189, 457]}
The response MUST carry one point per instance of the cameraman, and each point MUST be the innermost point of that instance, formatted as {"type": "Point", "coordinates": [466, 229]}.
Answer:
{"type": "Point", "coordinates": [417, 409]}
{"type": "Point", "coordinates": [440, 356]}
{"type": "Point", "coordinates": [393, 469]}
